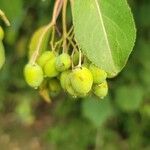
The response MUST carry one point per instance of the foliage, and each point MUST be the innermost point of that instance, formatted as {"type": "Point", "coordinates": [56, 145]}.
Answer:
{"type": "Point", "coordinates": [107, 38]}
{"type": "Point", "coordinates": [120, 121]}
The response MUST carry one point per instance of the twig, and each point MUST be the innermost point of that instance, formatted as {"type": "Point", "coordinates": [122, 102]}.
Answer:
{"type": "Point", "coordinates": [3, 16]}
{"type": "Point", "coordinates": [64, 25]}
{"type": "Point", "coordinates": [53, 38]}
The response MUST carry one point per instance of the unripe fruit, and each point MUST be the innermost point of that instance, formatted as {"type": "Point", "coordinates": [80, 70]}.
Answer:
{"type": "Point", "coordinates": [63, 77]}
{"type": "Point", "coordinates": [50, 68]}
{"type": "Point", "coordinates": [99, 75]}
{"type": "Point", "coordinates": [2, 54]}
{"type": "Point", "coordinates": [63, 62]}
{"type": "Point", "coordinates": [33, 75]}
{"type": "Point", "coordinates": [69, 88]}
{"type": "Point", "coordinates": [54, 87]}
{"type": "Point", "coordinates": [66, 84]}
{"type": "Point", "coordinates": [100, 90]}
{"type": "Point", "coordinates": [46, 56]}
{"type": "Point", "coordinates": [1, 33]}
{"type": "Point", "coordinates": [81, 80]}
{"type": "Point", "coordinates": [75, 58]}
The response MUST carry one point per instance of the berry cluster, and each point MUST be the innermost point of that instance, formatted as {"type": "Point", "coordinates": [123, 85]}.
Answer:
{"type": "Point", "coordinates": [59, 73]}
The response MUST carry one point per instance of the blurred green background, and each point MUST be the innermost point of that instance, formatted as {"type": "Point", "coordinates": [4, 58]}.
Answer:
{"type": "Point", "coordinates": [119, 122]}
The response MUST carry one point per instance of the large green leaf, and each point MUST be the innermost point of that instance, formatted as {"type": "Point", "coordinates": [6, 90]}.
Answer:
{"type": "Point", "coordinates": [105, 31]}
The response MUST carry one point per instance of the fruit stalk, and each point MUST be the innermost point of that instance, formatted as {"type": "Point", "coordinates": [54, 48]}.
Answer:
{"type": "Point", "coordinates": [3, 16]}
{"type": "Point", "coordinates": [64, 25]}
{"type": "Point", "coordinates": [56, 11]}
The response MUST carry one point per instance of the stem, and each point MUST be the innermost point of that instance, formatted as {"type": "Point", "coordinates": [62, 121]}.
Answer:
{"type": "Point", "coordinates": [58, 44]}
{"type": "Point", "coordinates": [71, 2]}
{"type": "Point", "coordinates": [80, 59]}
{"type": "Point", "coordinates": [70, 31]}
{"type": "Point", "coordinates": [69, 38]}
{"type": "Point", "coordinates": [53, 39]}
{"type": "Point", "coordinates": [3, 16]}
{"type": "Point", "coordinates": [72, 64]}
{"type": "Point", "coordinates": [71, 42]}
{"type": "Point", "coordinates": [99, 141]}
{"type": "Point", "coordinates": [57, 30]}
{"type": "Point", "coordinates": [64, 25]}
{"type": "Point", "coordinates": [56, 11]}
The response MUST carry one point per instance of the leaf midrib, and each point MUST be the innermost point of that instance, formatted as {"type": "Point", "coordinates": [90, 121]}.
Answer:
{"type": "Point", "coordinates": [104, 30]}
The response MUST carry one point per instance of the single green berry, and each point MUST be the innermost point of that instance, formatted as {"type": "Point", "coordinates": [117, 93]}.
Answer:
{"type": "Point", "coordinates": [1, 33]}
{"type": "Point", "coordinates": [54, 87]}
{"type": "Point", "coordinates": [100, 90]}
{"type": "Point", "coordinates": [46, 56]}
{"type": "Point", "coordinates": [99, 75]}
{"type": "Point", "coordinates": [63, 62]}
{"type": "Point", "coordinates": [81, 80]}
{"type": "Point", "coordinates": [63, 77]}
{"type": "Point", "coordinates": [69, 88]}
{"type": "Point", "coordinates": [2, 54]}
{"type": "Point", "coordinates": [33, 75]}
{"type": "Point", "coordinates": [50, 68]}
{"type": "Point", "coordinates": [66, 84]}
{"type": "Point", "coordinates": [76, 58]}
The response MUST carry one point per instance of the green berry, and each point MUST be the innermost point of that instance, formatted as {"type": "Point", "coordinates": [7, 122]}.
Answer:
{"type": "Point", "coordinates": [54, 87]}
{"type": "Point", "coordinates": [100, 90]}
{"type": "Point", "coordinates": [75, 58]}
{"type": "Point", "coordinates": [81, 80]}
{"type": "Point", "coordinates": [2, 54]}
{"type": "Point", "coordinates": [63, 77]}
{"type": "Point", "coordinates": [99, 75]}
{"type": "Point", "coordinates": [66, 84]}
{"type": "Point", "coordinates": [63, 62]}
{"type": "Point", "coordinates": [33, 75]}
{"type": "Point", "coordinates": [50, 68]}
{"type": "Point", "coordinates": [1, 33]}
{"type": "Point", "coordinates": [69, 88]}
{"type": "Point", "coordinates": [46, 56]}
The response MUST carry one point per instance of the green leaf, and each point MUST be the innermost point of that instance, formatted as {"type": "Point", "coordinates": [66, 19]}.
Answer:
{"type": "Point", "coordinates": [97, 111]}
{"type": "Point", "coordinates": [2, 54]}
{"type": "Point", "coordinates": [105, 31]}
{"type": "Point", "coordinates": [129, 98]}
{"type": "Point", "coordinates": [14, 11]}
{"type": "Point", "coordinates": [36, 38]}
